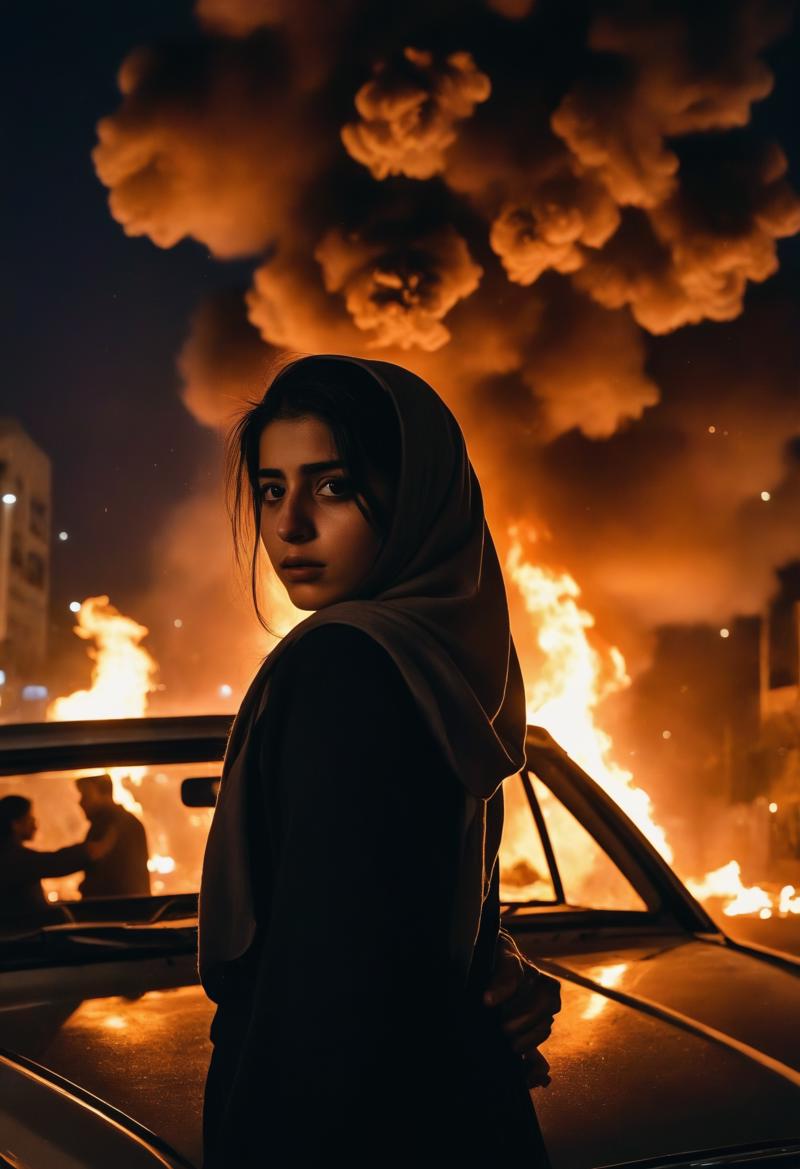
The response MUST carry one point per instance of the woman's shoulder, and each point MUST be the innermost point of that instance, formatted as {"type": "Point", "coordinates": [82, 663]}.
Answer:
{"type": "Point", "coordinates": [341, 692]}
{"type": "Point", "coordinates": [343, 674]}
{"type": "Point", "coordinates": [339, 648]}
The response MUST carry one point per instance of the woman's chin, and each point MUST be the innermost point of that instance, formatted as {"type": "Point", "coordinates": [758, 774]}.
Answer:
{"type": "Point", "coordinates": [309, 597]}
{"type": "Point", "coordinates": [314, 594]}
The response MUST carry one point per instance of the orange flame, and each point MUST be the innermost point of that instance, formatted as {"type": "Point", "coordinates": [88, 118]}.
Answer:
{"type": "Point", "coordinates": [123, 670]}
{"type": "Point", "coordinates": [789, 900]}
{"type": "Point", "coordinates": [573, 680]}
{"type": "Point", "coordinates": [726, 882]}
{"type": "Point", "coordinates": [562, 698]}
{"type": "Point", "coordinates": [122, 677]}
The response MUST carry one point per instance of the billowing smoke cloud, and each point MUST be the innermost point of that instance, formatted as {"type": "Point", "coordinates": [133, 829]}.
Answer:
{"type": "Point", "coordinates": [528, 205]}
{"type": "Point", "coordinates": [316, 34]}
{"type": "Point", "coordinates": [224, 364]}
{"type": "Point", "coordinates": [704, 244]}
{"type": "Point", "coordinates": [512, 9]}
{"type": "Point", "coordinates": [587, 369]}
{"type": "Point", "coordinates": [409, 113]}
{"type": "Point", "coordinates": [661, 72]}
{"type": "Point", "coordinates": [547, 230]}
{"type": "Point", "coordinates": [399, 296]}
{"type": "Point", "coordinates": [239, 18]}
{"type": "Point", "coordinates": [701, 501]}
{"type": "Point", "coordinates": [290, 305]}
{"type": "Point", "coordinates": [205, 144]}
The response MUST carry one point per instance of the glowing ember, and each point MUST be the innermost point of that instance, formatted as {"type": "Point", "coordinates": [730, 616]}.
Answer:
{"type": "Point", "coordinates": [161, 864]}
{"type": "Point", "coordinates": [789, 900]}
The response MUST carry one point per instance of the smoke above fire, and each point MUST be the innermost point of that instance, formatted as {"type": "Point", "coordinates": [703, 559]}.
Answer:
{"type": "Point", "coordinates": [562, 216]}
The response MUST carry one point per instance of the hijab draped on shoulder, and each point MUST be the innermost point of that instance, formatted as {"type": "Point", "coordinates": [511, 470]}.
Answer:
{"type": "Point", "coordinates": [435, 600]}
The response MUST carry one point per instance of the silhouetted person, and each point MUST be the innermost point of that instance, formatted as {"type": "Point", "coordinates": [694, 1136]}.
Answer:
{"type": "Point", "coordinates": [22, 868]}
{"type": "Point", "coordinates": [122, 871]}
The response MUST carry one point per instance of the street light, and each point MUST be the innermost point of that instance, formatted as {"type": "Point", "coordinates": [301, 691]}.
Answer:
{"type": "Point", "coordinates": [9, 499]}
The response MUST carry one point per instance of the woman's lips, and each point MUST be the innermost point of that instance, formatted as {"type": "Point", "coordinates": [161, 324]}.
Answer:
{"type": "Point", "coordinates": [301, 572]}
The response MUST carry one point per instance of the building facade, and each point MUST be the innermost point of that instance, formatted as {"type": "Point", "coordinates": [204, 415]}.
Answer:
{"type": "Point", "coordinates": [25, 478]}
{"type": "Point", "coordinates": [780, 725]}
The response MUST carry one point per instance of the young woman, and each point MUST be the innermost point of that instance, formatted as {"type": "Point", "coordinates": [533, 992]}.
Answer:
{"type": "Point", "coordinates": [349, 903]}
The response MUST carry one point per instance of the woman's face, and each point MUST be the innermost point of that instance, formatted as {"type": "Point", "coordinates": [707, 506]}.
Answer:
{"type": "Point", "coordinates": [313, 532]}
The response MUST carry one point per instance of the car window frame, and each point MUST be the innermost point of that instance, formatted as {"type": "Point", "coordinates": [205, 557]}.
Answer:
{"type": "Point", "coordinates": [58, 748]}
{"type": "Point", "coordinates": [669, 903]}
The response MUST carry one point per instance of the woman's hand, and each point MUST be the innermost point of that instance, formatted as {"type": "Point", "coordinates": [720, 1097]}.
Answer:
{"type": "Point", "coordinates": [526, 1001]}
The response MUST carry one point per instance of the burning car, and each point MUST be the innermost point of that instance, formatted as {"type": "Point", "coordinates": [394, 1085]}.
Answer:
{"type": "Point", "coordinates": [675, 1043]}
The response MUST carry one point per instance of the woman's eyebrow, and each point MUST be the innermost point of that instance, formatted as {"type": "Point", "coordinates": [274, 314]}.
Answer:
{"type": "Point", "coordinates": [305, 468]}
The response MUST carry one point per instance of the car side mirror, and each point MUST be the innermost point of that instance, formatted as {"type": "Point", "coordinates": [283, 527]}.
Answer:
{"type": "Point", "coordinates": [200, 791]}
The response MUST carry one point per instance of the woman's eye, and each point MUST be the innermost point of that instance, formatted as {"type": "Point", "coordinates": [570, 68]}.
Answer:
{"type": "Point", "coordinates": [266, 492]}
{"type": "Point", "coordinates": [340, 488]}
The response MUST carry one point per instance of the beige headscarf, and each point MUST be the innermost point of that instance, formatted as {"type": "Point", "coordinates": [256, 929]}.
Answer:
{"type": "Point", "coordinates": [437, 603]}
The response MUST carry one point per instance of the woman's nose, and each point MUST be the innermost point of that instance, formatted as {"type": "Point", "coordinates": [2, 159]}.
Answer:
{"type": "Point", "coordinates": [295, 524]}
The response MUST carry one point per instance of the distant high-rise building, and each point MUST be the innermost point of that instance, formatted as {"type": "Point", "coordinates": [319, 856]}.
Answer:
{"type": "Point", "coordinates": [24, 550]}
{"type": "Point", "coordinates": [780, 659]}
{"type": "Point", "coordinates": [778, 759]}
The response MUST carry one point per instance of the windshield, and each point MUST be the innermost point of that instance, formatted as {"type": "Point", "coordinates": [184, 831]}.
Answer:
{"type": "Point", "coordinates": [115, 838]}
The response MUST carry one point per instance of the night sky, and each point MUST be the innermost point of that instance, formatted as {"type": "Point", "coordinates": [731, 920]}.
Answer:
{"type": "Point", "coordinates": [92, 320]}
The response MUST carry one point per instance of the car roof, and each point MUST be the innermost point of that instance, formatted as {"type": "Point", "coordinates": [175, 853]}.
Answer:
{"type": "Point", "coordinates": [120, 742]}
{"type": "Point", "coordinates": [114, 742]}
